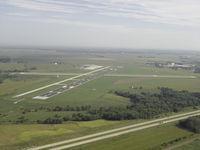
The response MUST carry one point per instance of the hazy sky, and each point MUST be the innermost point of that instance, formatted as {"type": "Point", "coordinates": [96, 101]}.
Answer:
{"type": "Point", "coordinates": [165, 24]}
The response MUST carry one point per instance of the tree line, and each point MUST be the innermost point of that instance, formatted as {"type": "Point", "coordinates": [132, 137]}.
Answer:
{"type": "Point", "coordinates": [149, 105]}
{"type": "Point", "coordinates": [5, 59]}
{"type": "Point", "coordinates": [197, 69]}
{"type": "Point", "coordinates": [192, 124]}
{"type": "Point", "coordinates": [144, 105]}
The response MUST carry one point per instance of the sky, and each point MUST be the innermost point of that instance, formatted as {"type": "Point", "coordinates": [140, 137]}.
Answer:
{"type": "Point", "coordinates": [137, 24]}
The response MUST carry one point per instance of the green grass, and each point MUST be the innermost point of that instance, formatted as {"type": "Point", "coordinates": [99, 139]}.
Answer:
{"type": "Point", "coordinates": [27, 83]}
{"type": "Point", "coordinates": [18, 136]}
{"type": "Point", "coordinates": [195, 145]}
{"type": "Point", "coordinates": [147, 139]}
{"type": "Point", "coordinates": [94, 93]}
{"type": "Point", "coordinates": [191, 85]}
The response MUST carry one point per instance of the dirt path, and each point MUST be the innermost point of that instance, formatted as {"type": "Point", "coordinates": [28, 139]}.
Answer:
{"type": "Point", "coordinates": [181, 144]}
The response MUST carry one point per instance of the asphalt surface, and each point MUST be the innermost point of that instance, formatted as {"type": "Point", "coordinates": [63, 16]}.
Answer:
{"type": "Point", "coordinates": [119, 131]}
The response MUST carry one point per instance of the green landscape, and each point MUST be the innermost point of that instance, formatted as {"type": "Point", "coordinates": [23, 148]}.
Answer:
{"type": "Point", "coordinates": [133, 92]}
{"type": "Point", "coordinates": [191, 146]}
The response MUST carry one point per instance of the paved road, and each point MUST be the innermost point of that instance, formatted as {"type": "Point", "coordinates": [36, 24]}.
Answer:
{"type": "Point", "coordinates": [20, 95]}
{"type": "Point", "coordinates": [118, 131]}
{"type": "Point", "coordinates": [151, 76]}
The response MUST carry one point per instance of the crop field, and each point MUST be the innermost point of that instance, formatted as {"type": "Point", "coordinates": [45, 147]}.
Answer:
{"type": "Point", "coordinates": [95, 93]}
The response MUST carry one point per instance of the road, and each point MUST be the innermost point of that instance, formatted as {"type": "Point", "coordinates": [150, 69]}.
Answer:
{"type": "Point", "coordinates": [151, 76]}
{"type": "Point", "coordinates": [59, 82]}
{"type": "Point", "coordinates": [116, 132]}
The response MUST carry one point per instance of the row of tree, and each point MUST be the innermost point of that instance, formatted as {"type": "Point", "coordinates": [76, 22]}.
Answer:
{"type": "Point", "coordinates": [5, 59]}
{"type": "Point", "coordinates": [197, 69]}
{"type": "Point", "coordinates": [148, 105]}
{"type": "Point", "coordinates": [70, 108]}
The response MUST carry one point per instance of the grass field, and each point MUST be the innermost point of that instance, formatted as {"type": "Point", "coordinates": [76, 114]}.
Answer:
{"type": "Point", "coordinates": [195, 145]}
{"type": "Point", "coordinates": [18, 136]}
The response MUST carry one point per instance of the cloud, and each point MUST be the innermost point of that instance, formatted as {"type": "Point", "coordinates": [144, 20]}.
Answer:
{"type": "Point", "coordinates": [89, 25]}
{"type": "Point", "coordinates": [19, 14]}
{"type": "Point", "coordinates": [172, 12]}
{"type": "Point", "coordinates": [182, 12]}
{"type": "Point", "coordinates": [40, 5]}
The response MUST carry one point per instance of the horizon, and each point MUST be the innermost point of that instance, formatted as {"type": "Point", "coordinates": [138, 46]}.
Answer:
{"type": "Point", "coordinates": [87, 48]}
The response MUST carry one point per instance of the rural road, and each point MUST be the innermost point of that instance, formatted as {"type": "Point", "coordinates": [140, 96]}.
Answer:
{"type": "Point", "coordinates": [182, 143]}
{"type": "Point", "coordinates": [116, 132]}
{"type": "Point", "coordinates": [56, 83]}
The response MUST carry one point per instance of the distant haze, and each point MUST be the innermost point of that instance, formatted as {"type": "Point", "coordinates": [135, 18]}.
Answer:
{"type": "Point", "coordinates": [143, 24]}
